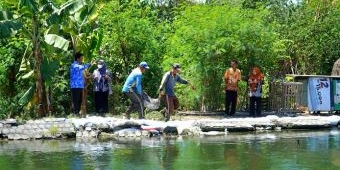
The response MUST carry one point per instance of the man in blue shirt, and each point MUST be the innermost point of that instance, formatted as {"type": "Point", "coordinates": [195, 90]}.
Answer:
{"type": "Point", "coordinates": [133, 89]}
{"type": "Point", "coordinates": [77, 81]}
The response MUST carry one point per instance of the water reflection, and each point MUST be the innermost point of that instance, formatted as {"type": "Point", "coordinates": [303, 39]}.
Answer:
{"type": "Point", "coordinates": [264, 150]}
{"type": "Point", "coordinates": [169, 156]}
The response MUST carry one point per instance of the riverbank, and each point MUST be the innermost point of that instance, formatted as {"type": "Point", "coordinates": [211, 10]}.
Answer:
{"type": "Point", "coordinates": [185, 125]}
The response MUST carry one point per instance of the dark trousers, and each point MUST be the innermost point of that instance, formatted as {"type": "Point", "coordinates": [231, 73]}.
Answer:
{"type": "Point", "coordinates": [77, 96]}
{"type": "Point", "coordinates": [230, 99]}
{"type": "Point", "coordinates": [255, 106]}
{"type": "Point", "coordinates": [101, 101]}
{"type": "Point", "coordinates": [136, 104]}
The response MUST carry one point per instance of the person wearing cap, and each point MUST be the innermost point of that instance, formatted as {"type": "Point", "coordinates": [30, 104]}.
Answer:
{"type": "Point", "coordinates": [231, 77]}
{"type": "Point", "coordinates": [166, 90]}
{"type": "Point", "coordinates": [101, 87]}
{"type": "Point", "coordinates": [133, 89]}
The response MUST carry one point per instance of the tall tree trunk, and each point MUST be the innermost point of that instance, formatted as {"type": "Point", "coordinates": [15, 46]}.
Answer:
{"type": "Point", "coordinates": [42, 110]}
{"type": "Point", "coordinates": [84, 97]}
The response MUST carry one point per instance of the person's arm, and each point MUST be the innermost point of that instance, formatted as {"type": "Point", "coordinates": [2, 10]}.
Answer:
{"type": "Point", "coordinates": [164, 80]}
{"type": "Point", "coordinates": [239, 76]}
{"type": "Point", "coordinates": [95, 75]}
{"type": "Point", "coordinates": [226, 77]}
{"type": "Point", "coordinates": [180, 80]}
{"type": "Point", "coordinates": [261, 82]}
{"type": "Point", "coordinates": [183, 81]}
{"type": "Point", "coordinates": [85, 66]}
{"type": "Point", "coordinates": [108, 76]}
{"type": "Point", "coordinates": [161, 90]}
{"type": "Point", "coordinates": [139, 84]}
{"type": "Point", "coordinates": [192, 86]}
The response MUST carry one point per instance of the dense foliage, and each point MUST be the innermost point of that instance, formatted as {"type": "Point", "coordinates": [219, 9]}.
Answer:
{"type": "Point", "coordinates": [279, 36]}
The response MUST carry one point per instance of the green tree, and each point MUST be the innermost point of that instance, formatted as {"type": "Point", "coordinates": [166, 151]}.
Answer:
{"type": "Point", "coordinates": [42, 23]}
{"type": "Point", "coordinates": [132, 33]}
{"type": "Point", "coordinates": [207, 37]}
{"type": "Point", "coordinates": [311, 29]}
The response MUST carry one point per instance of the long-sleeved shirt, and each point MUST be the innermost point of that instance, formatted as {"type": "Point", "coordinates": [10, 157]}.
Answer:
{"type": "Point", "coordinates": [76, 74]}
{"type": "Point", "coordinates": [255, 82]}
{"type": "Point", "coordinates": [100, 82]}
{"type": "Point", "coordinates": [133, 82]}
{"type": "Point", "coordinates": [232, 77]}
{"type": "Point", "coordinates": [169, 81]}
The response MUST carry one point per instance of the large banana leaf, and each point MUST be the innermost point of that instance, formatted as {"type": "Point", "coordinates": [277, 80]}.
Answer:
{"type": "Point", "coordinates": [6, 15]}
{"type": "Point", "coordinates": [8, 26]}
{"type": "Point", "coordinates": [72, 6]}
{"type": "Point", "coordinates": [28, 75]}
{"type": "Point", "coordinates": [48, 7]}
{"type": "Point", "coordinates": [48, 70]}
{"type": "Point", "coordinates": [96, 39]}
{"type": "Point", "coordinates": [27, 96]}
{"type": "Point", "coordinates": [89, 14]}
{"type": "Point", "coordinates": [24, 65]}
{"type": "Point", "coordinates": [69, 7]}
{"type": "Point", "coordinates": [57, 41]}
{"type": "Point", "coordinates": [30, 5]}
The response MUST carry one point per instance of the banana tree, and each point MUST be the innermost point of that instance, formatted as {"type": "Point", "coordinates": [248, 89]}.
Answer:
{"type": "Point", "coordinates": [85, 34]}
{"type": "Point", "coordinates": [29, 15]}
{"type": "Point", "coordinates": [35, 21]}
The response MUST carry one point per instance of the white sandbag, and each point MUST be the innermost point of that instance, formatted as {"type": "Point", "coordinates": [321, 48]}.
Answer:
{"type": "Point", "coordinates": [149, 102]}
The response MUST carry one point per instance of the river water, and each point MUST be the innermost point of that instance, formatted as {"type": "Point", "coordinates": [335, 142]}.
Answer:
{"type": "Point", "coordinates": [285, 150]}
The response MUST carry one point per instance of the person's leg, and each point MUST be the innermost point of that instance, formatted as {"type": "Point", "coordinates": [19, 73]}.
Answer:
{"type": "Point", "coordinates": [233, 103]}
{"type": "Point", "coordinates": [252, 106]}
{"type": "Point", "coordinates": [80, 100]}
{"type": "Point", "coordinates": [106, 102]}
{"type": "Point", "coordinates": [164, 110]}
{"type": "Point", "coordinates": [102, 103]}
{"type": "Point", "coordinates": [136, 105]}
{"type": "Point", "coordinates": [227, 102]}
{"type": "Point", "coordinates": [130, 108]}
{"type": "Point", "coordinates": [76, 99]}
{"type": "Point", "coordinates": [258, 106]}
{"type": "Point", "coordinates": [96, 101]}
{"type": "Point", "coordinates": [176, 103]}
{"type": "Point", "coordinates": [169, 103]}
{"type": "Point", "coordinates": [140, 107]}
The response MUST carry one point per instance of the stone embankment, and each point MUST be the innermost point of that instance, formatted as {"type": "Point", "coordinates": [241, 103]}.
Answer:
{"type": "Point", "coordinates": [111, 127]}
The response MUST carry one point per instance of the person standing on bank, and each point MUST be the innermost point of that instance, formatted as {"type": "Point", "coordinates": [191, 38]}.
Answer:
{"type": "Point", "coordinates": [166, 90]}
{"type": "Point", "coordinates": [255, 82]}
{"type": "Point", "coordinates": [231, 77]}
{"type": "Point", "coordinates": [133, 89]}
{"type": "Point", "coordinates": [77, 81]}
{"type": "Point", "coordinates": [101, 87]}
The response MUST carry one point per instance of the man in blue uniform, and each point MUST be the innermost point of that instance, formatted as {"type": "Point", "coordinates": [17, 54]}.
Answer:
{"type": "Point", "coordinates": [77, 81]}
{"type": "Point", "coordinates": [133, 89]}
